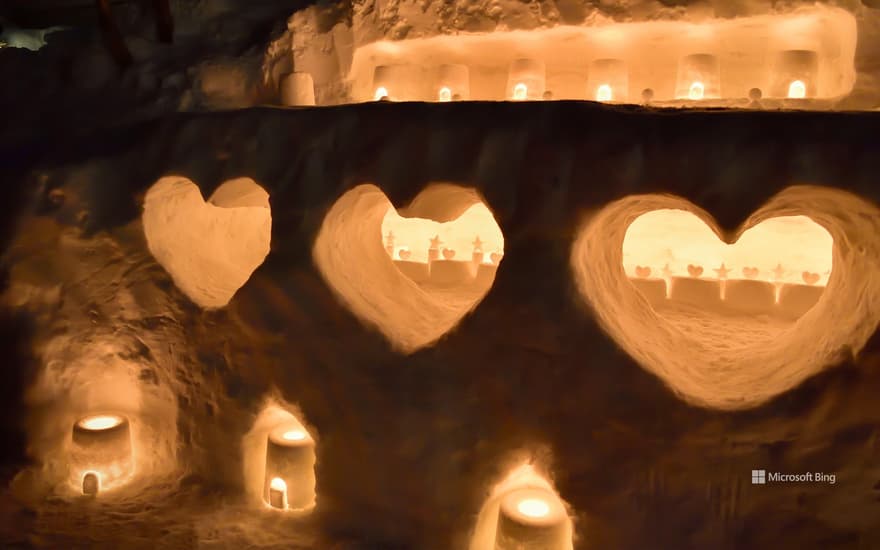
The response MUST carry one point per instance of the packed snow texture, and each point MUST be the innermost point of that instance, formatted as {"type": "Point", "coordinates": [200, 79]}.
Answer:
{"type": "Point", "coordinates": [410, 446]}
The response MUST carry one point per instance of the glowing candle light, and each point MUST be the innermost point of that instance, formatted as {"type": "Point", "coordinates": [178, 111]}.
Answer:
{"type": "Point", "coordinates": [531, 518]}
{"type": "Point", "coordinates": [797, 90]}
{"type": "Point", "coordinates": [696, 91]}
{"type": "Point", "coordinates": [444, 95]}
{"type": "Point", "coordinates": [604, 93]}
{"type": "Point", "coordinates": [101, 455]}
{"type": "Point", "coordinates": [520, 92]}
{"type": "Point", "coordinates": [278, 493]}
{"type": "Point", "coordinates": [381, 93]}
{"type": "Point", "coordinates": [294, 435]}
{"type": "Point", "coordinates": [533, 508]}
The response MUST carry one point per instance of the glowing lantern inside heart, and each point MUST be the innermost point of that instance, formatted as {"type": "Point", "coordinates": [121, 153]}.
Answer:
{"type": "Point", "coordinates": [290, 468]}
{"type": "Point", "coordinates": [426, 249]}
{"type": "Point", "coordinates": [101, 454]}
{"type": "Point", "coordinates": [752, 319]}
{"type": "Point", "coordinates": [797, 90]}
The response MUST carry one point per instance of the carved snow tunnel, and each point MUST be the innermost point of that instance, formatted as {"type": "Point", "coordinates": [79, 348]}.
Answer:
{"type": "Point", "coordinates": [732, 325]}
{"type": "Point", "coordinates": [415, 273]}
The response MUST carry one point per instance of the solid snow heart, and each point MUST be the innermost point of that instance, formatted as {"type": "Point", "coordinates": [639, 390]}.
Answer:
{"type": "Point", "coordinates": [737, 361]}
{"type": "Point", "coordinates": [421, 297]}
{"type": "Point", "coordinates": [211, 248]}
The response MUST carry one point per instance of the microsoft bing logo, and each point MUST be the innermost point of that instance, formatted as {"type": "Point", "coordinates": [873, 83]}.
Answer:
{"type": "Point", "coordinates": [759, 477]}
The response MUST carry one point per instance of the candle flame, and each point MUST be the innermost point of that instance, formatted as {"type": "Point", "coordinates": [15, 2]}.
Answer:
{"type": "Point", "coordinates": [604, 93]}
{"type": "Point", "coordinates": [444, 95]}
{"type": "Point", "coordinates": [697, 90]}
{"type": "Point", "coordinates": [797, 90]}
{"type": "Point", "coordinates": [294, 435]}
{"type": "Point", "coordinates": [520, 91]}
{"type": "Point", "coordinates": [381, 92]}
{"type": "Point", "coordinates": [533, 508]}
{"type": "Point", "coordinates": [101, 422]}
{"type": "Point", "coordinates": [278, 484]}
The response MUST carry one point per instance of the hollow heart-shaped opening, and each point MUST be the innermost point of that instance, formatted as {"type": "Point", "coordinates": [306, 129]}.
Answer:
{"type": "Point", "coordinates": [752, 289]}
{"type": "Point", "coordinates": [211, 248]}
{"type": "Point", "coordinates": [415, 273]}
{"type": "Point", "coordinates": [729, 321]}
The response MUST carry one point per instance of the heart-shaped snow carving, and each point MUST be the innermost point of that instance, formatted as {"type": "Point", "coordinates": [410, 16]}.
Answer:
{"type": "Point", "coordinates": [736, 366]}
{"type": "Point", "coordinates": [418, 299]}
{"type": "Point", "coordinates": [695, 270]}
{"type": "Point", "coordinates": [810, 278]}
{"type": "Point", "coordinates": [643, 272]}
{"type": "Point", "coordinates": [211, 248]}
{"type": "Point", "coordinates": [750, 272]}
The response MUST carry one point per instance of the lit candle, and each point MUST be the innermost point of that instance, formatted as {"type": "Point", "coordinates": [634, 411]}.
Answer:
{"type": "Point", "coordinates": [604, 93]}
{"type": "Point", "coordinates": [444, 95]}
{"type": "Point", "coordinates": [520, 92]}
{"type": "Point", "coordinates": [797, 90]}
{"type": "Point", "coordinates": [101, 455]}
{"type": "Point", "coordinates": [381, 93]}
{"type": "Point", "coordinates": [696, 91]}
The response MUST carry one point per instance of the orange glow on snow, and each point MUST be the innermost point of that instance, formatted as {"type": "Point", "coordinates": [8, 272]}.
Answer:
{"type": "Point", "coordinates": [523, 511]}
{"type": "Point", "coordinates": [533, 508]}
{"type": "Point", "coordinates": [475, 231]}
{"type": "Point", "coordinates": [278, 484]}
{"type": "Point", "coordinates": [797, 90]}
{"type": "Point", "coordinates": [787, 249]}
{"type": "Point", "coordinates": [294, 435]}
{"type": "Point", "coordinates": [100, 422]}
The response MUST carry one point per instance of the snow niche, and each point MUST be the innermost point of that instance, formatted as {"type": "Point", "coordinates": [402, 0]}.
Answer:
{"type": "Point", "coordinates": [211, 248]}
{"type": "Point", "coordinates": [279, 460]}
{"type": "Point", "coordinates": [715, 59]}
{"type": "Point", "coordinates": [729, 321]}
{"type": "Point", "coordinates": [96, 426]}
{"type": "Point", "coordinates": [414, 273]}
{"type": "Point", "coordinates": [523, 511]}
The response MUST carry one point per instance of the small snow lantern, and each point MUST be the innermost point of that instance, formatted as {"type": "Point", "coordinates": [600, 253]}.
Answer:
{"type": "Point", "coordinates": [298, 89]}
{"type": "Point", "coordinates": [608, 81]}
{"type": "Point", "coordinates": [531, 519]}
{"type": "Point", "coordinates": [453, 83]}
{"type": "Point", "coordinates": [101, 456]}
{"type": "Point", "coordinates": [526, 80]}
{"type": "Point", "coordinates": [290, 468]}
{"type": "Point", "coordinates": [699, 77]}
{"type": "Point", "coordinates": [397, 83]}
{"type": "Point", "coordinates": [795, 74]}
